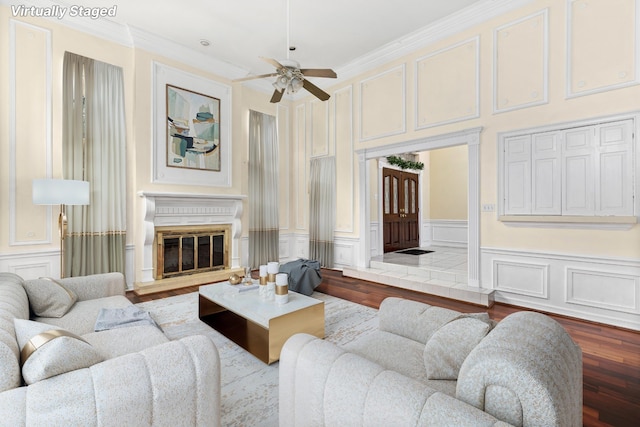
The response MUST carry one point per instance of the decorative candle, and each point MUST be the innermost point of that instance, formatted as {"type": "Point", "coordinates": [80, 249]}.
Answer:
{"type": "Point", "coordinates": [272, 270]}
{"type": "Point", "coordinates": [263, 275]}
{"type": "Point", "coordinates": [282, 288]}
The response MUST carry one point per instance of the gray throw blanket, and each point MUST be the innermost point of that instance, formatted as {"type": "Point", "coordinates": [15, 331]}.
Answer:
{"type": "Point", "coordinates": [304, 275]}
{"type": "Point", "coordinates": [112, 318]}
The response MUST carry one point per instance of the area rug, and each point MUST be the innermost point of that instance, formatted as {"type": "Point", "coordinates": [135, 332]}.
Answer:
{"type": "Point", "coordinates": [413, 252]}
{"type": "Point", "coordinates": [250, 387]}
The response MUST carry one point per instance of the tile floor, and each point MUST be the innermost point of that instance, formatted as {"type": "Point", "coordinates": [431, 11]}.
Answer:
{"type": "Point", "coordinates": [442, 272]}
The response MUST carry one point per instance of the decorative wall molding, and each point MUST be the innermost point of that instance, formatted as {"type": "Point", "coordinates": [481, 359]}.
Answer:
{"type": "Point", "coordinates": [464, 19]}
{"type": "Point", "coordinates": [603, 289]}
{"type": "Point", "coordinates": [46, 263]}
{"type": "Point", "coordinates": [402, 127]}
{"type": "Point", "coordinates": [445, 232]}
{"type": "Point", "coordinates": [521, 278]}
{"type": "Point", "coordinates": [374, 234]}
{"type": "Point", "coordinates": [503, 30]}
{"type": "Point", "coordinates": [570, 93]}
{"type": "Point", "coordinates": [422, 122]}
{"type": "Point", "coordinates": [319, 125]}
{"type": "Point", "coordinates": [600, 289]}
{"type": "Point", "coordinates": [300, 180]}
{"type": "Point", "coordinates": [285, 162]}
{"type": "Point", "coordinates": [14, 239]}
{"type": "Point", "coordinates": [161, 172]}
{"type": "Point", "coordinates": [346, 158]}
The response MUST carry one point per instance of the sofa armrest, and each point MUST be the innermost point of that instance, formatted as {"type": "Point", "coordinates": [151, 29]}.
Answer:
{"type": "Point", "coordinates": [176, 383]}
{"type": "Point", "coordinates": [96, 285]}
{"type": "Point", "coordinates": [526, 371]}
{"type": "Point", "coordinates": [321, 384]}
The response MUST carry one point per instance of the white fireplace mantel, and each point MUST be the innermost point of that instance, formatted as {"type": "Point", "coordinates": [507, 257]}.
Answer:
{"type": "Point", "coordinates": [163, 209]}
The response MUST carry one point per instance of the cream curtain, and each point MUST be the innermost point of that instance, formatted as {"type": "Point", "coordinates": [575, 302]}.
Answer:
{"type": "Point", "coordinates": [263, 189]}
{"type": "Point", "coordinates": [322, 209]}
{"type": "Point", "coordinates": [94, 150]}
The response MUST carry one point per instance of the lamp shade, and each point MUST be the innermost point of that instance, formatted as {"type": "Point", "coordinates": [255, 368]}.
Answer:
{"type": "Point", "coordinates": [60, 192]}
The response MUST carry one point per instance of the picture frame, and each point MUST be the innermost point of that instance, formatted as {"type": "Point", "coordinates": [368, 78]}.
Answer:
{"type": "Point", "coordinates": [199, 91]}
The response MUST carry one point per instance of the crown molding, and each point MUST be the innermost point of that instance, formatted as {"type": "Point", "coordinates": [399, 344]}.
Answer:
{"type": "Point", "coordinates": [470, 16]}
{"type": "Point", "coordinates": [133, 37]}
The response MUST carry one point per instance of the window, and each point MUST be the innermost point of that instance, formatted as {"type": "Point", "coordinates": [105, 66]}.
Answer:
{"type": "Point", "coordinates": [584, 170]}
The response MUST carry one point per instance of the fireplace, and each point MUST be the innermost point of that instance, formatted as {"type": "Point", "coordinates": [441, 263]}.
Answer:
{"type": "Point", "coordinates": [190, 226]}
{"type": "Point", "coordinates": [184, 250]}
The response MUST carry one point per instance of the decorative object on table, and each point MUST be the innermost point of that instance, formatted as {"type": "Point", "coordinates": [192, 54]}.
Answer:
{"type": "Point", "coordinates": [263, 281]}
{"type": "Point", "coordinates": [61, 192]}
{"type": "Point", "coordinates": [234, 279]}
{"type": "Point", "coordinates": [282, 288]}
{"type": "Point", "coordinates": [247, 275]}
{"type": "Point", "coordinates": [272, 270]}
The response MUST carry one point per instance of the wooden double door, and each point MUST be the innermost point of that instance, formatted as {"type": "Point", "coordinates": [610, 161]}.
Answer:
{"type": "Point", "coordinates": [400, 210]}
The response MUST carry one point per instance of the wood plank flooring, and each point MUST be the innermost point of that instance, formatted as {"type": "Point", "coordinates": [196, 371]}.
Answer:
{"type": "Point", "coordinates": [611, 356]}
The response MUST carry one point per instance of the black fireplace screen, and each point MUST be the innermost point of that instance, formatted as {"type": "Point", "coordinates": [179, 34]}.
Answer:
{"type": "Point", "coordinates": [187, 253]}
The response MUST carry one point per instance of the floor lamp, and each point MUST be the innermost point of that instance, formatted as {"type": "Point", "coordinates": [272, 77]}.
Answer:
{"type": "Point", "coordinates": [61, 192]}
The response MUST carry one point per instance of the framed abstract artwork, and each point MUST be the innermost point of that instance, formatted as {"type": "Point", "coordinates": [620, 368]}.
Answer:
{"type": "Point", "coordinates": [193, 130]}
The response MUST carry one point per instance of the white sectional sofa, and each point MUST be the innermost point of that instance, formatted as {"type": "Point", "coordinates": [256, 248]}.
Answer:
{"type": "Point", "coordinates": [76, 377]}
{"type": "Point", "coordinates": [427, 365]}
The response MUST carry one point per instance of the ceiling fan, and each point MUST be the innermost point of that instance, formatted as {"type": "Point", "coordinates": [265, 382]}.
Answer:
{"type": "Point", "coordinates": [290, 78]}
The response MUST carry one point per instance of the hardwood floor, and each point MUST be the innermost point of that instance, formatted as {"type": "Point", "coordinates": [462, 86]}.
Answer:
{"type": "Point", "coordinates": [611, 356]}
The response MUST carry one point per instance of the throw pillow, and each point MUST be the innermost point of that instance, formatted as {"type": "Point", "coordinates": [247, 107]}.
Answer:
{"type": "Point", "coordinates": [48, 297]}
{"type": "Point", "coordinates": [450, 345]}
{"type": "Point", "coordinates": [48, 350]}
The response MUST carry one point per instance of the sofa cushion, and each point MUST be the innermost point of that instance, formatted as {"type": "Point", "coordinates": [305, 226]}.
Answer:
{"type": "Point", "coordinates": [450, 345]}
{"type": "Point", "coordinates": [48, 297]}
{"type": "Point", "coordinates": [116, 342]}
{"type": "Point", "coordinates": [412, 319]}
{"type": "Point", "coordinates": [81, 319]}
{"type": "Point", "coordinates": [47, 351]}
{"type": "Point", "coordinates": [13, 304]}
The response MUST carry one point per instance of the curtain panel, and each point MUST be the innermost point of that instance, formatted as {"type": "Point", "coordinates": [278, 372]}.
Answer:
{"type": "Point", "coordinates": [94, 150]}
{"type": "Point", "coordinates": [322, 210]}
{"type": "Point", "coordinates": [264, 228]}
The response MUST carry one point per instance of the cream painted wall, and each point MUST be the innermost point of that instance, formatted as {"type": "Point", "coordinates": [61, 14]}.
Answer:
{"type": "Point", "coordinates": [448, 176]}
{"type": "Point", "coordinates": [576, 85]}
{"type": "Point", "coordinates": [535, 86]}
{"type": "Point", "coordinates": [47, 147]}
{"type": "Point", "coordinates": [137, 67]}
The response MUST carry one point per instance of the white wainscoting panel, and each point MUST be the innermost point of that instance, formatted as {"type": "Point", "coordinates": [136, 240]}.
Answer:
{"type": "Point", "coordinates": [521, 278]}
{"type": "Point", "coordinates": [46, 263]}
{"type": "Point", "coordinates": [598, 289]}
{"type": "Point", "coordinates": [618, 292]}
{"type": "Point", "coordinates": [445, 232]}
{"type": "Point", "coordinates": [345, 252]}
{"type": "Point", "coordinates": [374, 239]}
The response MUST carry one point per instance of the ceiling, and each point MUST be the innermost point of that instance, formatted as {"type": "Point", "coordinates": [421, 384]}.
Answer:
{"type": "Point", "coordinates": [326, 33]}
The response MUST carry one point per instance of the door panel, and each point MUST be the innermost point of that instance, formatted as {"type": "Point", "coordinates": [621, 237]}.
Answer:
{"type": "Point", "coordinates": [400, 210]}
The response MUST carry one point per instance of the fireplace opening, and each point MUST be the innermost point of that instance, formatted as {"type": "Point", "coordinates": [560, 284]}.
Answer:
{"type": "Point", "coordinates": [183, 250]}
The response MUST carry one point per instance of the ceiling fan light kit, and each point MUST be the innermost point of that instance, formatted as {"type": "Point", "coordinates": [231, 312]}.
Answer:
{"type": "Point", "coordinates": [290, 78]}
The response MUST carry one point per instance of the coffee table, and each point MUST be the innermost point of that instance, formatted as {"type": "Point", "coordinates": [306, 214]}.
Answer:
{"type": "Point", "coordinates": [260, 327]}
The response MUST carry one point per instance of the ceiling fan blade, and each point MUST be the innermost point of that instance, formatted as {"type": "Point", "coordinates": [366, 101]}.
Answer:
{"type": "Point", "coordinates": [261, 76]}
{"type": "Point", "coordinates": [277, 96]}
{"type": "Point", "coordinates": [315, 90]}
{"type": "Point", "coordinates": [319, 72]}
{"type": "Point", "coordinates": [272, 62]}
